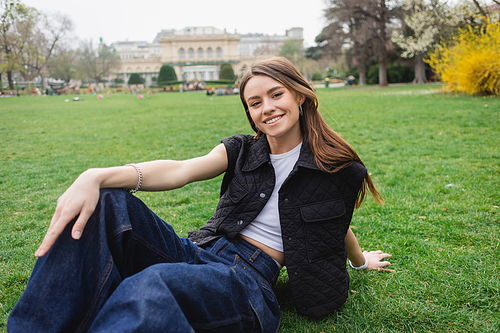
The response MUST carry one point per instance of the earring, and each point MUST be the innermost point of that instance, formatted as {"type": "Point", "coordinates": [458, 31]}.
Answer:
{"type": "Point", "coordinates": [300, 110]}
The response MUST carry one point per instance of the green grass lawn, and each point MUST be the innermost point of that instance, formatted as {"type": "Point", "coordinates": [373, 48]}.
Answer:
{"type": "Point", "coordinates": [434, 157]}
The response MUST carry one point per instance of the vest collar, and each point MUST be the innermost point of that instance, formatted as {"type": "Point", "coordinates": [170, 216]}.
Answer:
{"type": "Point", "coordinates": [258, 154]}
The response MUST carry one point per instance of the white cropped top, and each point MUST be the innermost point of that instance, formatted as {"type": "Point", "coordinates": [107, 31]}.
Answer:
{"type": "Point", "coordinates": [266, 227]}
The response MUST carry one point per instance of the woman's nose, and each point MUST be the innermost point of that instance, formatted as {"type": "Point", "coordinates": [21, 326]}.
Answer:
{"type": "Point", "coordinates": [268, 106]}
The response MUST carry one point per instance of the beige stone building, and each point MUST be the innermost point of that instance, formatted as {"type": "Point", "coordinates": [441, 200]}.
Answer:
{"type": "Point", "coordinates": [196, 53]}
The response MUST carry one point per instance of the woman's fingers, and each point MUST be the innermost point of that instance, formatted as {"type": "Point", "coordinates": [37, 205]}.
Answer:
{"type": "Point", "coordinates": [81, 222]}
{"type": "Point", "coordinates": [375, 259]}
{"type": "Point", "coordinates": [63, 215]}
{"type": "Point", "coordinates": [53, 232]}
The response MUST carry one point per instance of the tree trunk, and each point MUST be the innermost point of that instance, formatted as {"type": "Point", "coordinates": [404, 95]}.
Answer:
{"type": "Point", "coordinates": [11, 82]}
{"type": "Point", "coordinates": [382, 64]}
{"type": "Point", "coordinates": [362, 74]}
{"type": "Point", "coordinates": [382, 42]}
{"type": "Point", "coordinates": [361, 70]}
{"type": "Point", "coordinates": [44, 80]}
{"type": "Point", "coordinates": [382, 72]}
{"type": "Point", "coordinates": [419, 69]}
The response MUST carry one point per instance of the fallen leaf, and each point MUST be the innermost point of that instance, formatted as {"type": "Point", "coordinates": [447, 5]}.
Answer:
{"type": "Point", "coordinates": [385, 270]}
{"type": "Point", "coordinates": [354, 292]}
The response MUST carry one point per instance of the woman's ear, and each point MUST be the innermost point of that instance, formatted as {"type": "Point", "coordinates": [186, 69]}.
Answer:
{"type": "Point", "coordinates": [302, 99]}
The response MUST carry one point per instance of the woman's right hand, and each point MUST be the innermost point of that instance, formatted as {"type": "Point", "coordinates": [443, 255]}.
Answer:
{"type": "Point", "coordinates": [80, 199]}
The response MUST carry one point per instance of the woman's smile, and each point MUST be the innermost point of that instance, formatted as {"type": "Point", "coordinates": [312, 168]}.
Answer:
{"type": "Point", "coordinates": [273, 120]}
{"type": "Point", "coordinates": [274, 109]}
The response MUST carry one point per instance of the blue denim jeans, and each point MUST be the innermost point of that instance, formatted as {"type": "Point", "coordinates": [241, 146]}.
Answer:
{"type": "Point", "coordinates": [130, 272]}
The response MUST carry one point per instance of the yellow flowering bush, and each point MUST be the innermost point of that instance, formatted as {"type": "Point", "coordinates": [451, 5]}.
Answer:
{"type": "Point", "coordinates": [470, 61]}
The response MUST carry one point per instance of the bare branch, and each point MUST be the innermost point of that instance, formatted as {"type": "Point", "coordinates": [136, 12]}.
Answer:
{"type": "Point", "coordinates": [481, 10]}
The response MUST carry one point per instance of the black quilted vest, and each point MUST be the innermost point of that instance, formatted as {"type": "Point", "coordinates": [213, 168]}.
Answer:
{"type": "Point", "coordinates": [315, 212]}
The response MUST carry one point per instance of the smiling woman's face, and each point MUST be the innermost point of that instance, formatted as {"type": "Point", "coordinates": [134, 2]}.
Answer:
{"type": "Point", "coordinates": [274, 109]}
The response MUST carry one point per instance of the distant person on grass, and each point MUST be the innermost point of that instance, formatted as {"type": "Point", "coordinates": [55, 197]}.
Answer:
{"type": "Point", "coordinates": [108, 263]}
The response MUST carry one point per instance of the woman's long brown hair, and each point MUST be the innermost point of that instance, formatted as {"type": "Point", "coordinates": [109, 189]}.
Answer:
{"type": "Point", "coordinates": [327, 146]}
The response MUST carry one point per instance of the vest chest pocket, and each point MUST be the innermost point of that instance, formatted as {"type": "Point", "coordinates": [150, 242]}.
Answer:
{"type": "Point", "coordinates": [229, 200]}
{"type": "Point", "coordinates": [325, 228]}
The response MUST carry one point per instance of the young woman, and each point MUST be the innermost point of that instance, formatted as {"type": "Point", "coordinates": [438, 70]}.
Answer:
{"type": "Point", "coordinates": [109, 264]}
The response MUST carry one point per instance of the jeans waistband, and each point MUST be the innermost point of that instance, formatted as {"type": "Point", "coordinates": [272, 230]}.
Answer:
{"type": "Point", "coordinates": [255, 257]}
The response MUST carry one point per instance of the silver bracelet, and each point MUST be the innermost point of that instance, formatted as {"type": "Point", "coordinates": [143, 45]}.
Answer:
{"type": "Point", "coordinates": [364, 266]}
{"type": "Point", "coordinates": [139, 174]}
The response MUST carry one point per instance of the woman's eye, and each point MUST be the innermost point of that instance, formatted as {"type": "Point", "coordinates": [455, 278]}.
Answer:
{"type": "Point", "coordinates": [254, 104]}
{"type": "Point", "coordinates": [278, 94]}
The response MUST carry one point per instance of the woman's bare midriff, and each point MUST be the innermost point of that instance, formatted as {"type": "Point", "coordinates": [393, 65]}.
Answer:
{"type": "Point", "coordinates": [275, 254]}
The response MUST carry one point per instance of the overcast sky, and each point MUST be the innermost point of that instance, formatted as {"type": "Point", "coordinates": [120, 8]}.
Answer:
{"type": "Point", "coordinates": [133, 20]}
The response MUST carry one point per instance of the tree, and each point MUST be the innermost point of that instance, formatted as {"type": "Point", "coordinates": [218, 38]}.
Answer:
{"type": "Point", "coordinates": [362, 25]}
{"type": "Point", "coordinates": [62, 65]}
{"type": "Point", "coordinates": [135, 79]}
{"type": "Point", "coordinates": [428, 21]}
{"type": "Point", "coordinates": [15, 20]}
{"type": "Point", "coordinates": [293, 50]}
{"type": "Point", "coordinates": [419, 33]}
{"type": "Point", "coordinates": [96, 63]}
{"type": "Point", "coordinates": [226, 72]}
{"type": "Point", "coordinates": [49, 31]}
{"type": "Point", "coordinates": [347, 27]}
{"type": "Point", "coordinates": [380, 18]}
{"type": "Point", "coordinates": [167, 74]}
{"type": "Point", "coordinates": [108, 59]}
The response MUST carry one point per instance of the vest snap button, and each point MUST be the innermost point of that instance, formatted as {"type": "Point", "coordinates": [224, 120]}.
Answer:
{"type": "Point", "coordinates": [262, 195]}
{"type": "Point", "coordinates": [240, 222]}
{"type": "Point", "coordinates": [289, 238]}
{"type": "Point", "coordinates": [286, 200]}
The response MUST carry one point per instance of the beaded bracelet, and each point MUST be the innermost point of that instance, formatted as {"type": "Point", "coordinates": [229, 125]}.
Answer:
{"type": "Point", "coordinates": [139, 182]}
{"type": "Point", "coordinates": [364, 266]}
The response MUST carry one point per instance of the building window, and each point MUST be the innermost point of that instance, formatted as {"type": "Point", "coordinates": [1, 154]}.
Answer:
{"type": "Point", "coordinates": [182, 54]}
{"type": "Point", "coordinates": [191, 53]}
{"type": "Point", "coordinates": [200, 53]}
{"type": "Point", "coordinates": [219, 52]}
{"type": "Point", "coordinates": [210, 53]}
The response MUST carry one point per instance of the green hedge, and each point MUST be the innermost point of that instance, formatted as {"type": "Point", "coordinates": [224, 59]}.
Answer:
{"type": "Point", "coordinates": [167, 76]}
{"type": "Point", "coordinates": [227, 72]}
{"type": "Point", "coordinates": [135, 79]}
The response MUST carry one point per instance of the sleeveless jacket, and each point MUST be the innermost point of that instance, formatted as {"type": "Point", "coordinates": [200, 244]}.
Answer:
{"type": "Point", "coordinates": [315, 210]}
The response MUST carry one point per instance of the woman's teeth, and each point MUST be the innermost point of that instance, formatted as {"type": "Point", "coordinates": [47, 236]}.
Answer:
{"type": "Point", "coordinates": [273, 120]}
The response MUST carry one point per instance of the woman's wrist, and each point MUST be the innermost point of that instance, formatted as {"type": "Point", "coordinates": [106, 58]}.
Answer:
{"type": "Point", "coordinates": [94, 175]}
{"type": "Point", "coordinates": [113, 177]}
{"type": "Point", "coordinates": [363, 266]}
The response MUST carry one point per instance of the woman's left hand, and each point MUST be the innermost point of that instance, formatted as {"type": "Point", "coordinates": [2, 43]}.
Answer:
{"type": "Point", "coordinates": [375, 259]}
